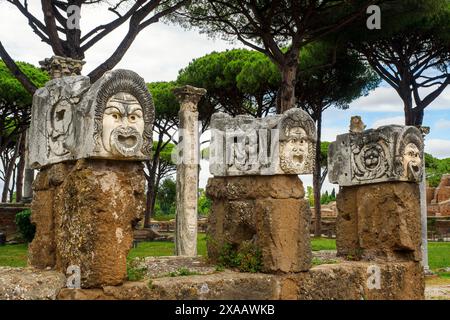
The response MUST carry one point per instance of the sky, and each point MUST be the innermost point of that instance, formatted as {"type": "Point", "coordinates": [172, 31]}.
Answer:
{"type": "Point", "coordinates": [161, 50]}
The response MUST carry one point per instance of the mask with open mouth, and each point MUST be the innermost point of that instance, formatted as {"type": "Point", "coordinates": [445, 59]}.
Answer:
{"type": "Point", "coordinates": [412, 162]}
{"type": "Point", "coordinates": [126, 141]}
{"type": "Point", "coordinates": [293, 151]}
{"type": "Point", "coordinates": [123, 125]}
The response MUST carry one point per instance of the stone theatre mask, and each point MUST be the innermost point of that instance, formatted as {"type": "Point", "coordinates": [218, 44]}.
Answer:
{"type": "Point", "coordinates": [109, 119]}
{"type": "Point", "coordinates": [297, 142]}
{"type": "Point", "coordinates": [123, 125]}
{"type": "Point", "coordinates": [123, 116]}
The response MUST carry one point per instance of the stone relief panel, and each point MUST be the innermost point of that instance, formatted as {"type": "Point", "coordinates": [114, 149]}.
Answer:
{"type": "Point", "coordinates": [110, 119]}
{"type": "Point", "coordinates": [389, 153]}
{"type": "Point", "coordinates": [278, 144]}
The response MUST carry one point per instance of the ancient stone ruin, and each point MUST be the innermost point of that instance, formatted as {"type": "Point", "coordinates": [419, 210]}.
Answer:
{"type": "Point", "coordinates": [438, 199]}
{"type": "Point", "coordinates": [88, 141]}
{"type": "Point", "coordinates": [90, 191]}
{"type": "Point", "coordinates": [257, 197]}
{"type": "Point", "coordinates": [379, 200]}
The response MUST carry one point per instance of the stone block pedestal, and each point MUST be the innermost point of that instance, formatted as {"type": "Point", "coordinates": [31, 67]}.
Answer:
{"type": "Point", "coordinates": [84, 214]}
{"type": "Point", "coordinates": [267, 212]}
{"type": "Point", "coordinates": [379, 221]}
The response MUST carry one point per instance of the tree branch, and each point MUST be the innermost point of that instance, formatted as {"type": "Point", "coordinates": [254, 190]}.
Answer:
{"type": "Point", "coordinates": [52, 32]}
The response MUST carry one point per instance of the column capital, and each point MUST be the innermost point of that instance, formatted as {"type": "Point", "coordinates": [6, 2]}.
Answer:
{"type": "Point", "coordinates": [189, 95]}
{"type": "Point", "coordinates": [59, 67]}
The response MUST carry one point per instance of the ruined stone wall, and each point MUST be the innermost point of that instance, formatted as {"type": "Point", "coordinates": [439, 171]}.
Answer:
{"type": "Point", "coordinates": [342, 281]}
{"type": "Point", "coordinates": [7, 219]}
{"type": "Point", "coordinates": [438, 199]}
{"type": "Point", "coordinates": [7, 224]}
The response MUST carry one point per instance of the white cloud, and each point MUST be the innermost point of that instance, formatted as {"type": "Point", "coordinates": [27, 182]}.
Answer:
{"type": "Point", "coordinates": [382, 99]}
{"type": "Point", "coordinates": [439, 148]}
{"type": "Point", "coordinates": [330, 133]}
{"type": "Point", "coordinates": [387, 121]}
{"type": "Point", "coordinates": [442, 124]}
{"type": "Point", "coordinates": [386, 99]}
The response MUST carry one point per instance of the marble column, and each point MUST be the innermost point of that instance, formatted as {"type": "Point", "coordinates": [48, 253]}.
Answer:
{"type": "Point", "coordinates": [187, 171]}
{"type": "Point", "coordinates": [423, 209]}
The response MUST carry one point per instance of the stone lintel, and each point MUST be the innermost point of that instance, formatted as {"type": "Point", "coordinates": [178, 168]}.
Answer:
{"type": "Point", "coordinates": [388, 153]}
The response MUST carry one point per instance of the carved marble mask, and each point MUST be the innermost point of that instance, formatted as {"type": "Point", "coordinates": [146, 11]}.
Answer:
{"type": "Point", "coordinates": [123, 125]}
{"type": "Point", "coordinates": [412, 163]}
{"type": "Point", "coordinates": [59, 127]}
{"type": "Point", "coordinates": [294, 150]}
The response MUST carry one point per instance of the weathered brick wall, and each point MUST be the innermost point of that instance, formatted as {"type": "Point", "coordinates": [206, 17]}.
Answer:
{"type": "Point", "coordinates": [7, 218]}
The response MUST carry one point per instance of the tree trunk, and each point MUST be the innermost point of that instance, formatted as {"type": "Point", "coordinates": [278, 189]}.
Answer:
{"type": "Point", "coordinates": [405, 95]}
{"type": "Point", "coordinates": [150, 203]}
{"type": "Point", "coordinates": [317, 179]}
{"type": "Point", "coordinates": [417, 114]}
{"type": "Point", "coordinates": [155, 192]}
{"type": "Point", "coordinates": [9, 171]}
{"type": "Point", "coordinates": [13, 183]}
{"type": "Point", "coordinates": [20, 169]}
{"type": "Point", "coordinates": [286, 93]}
{"type": "Point", "coordinates": [151, 180]}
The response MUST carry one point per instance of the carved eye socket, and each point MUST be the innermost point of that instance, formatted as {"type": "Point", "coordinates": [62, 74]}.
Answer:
{"type": "Point", "coordinates": [115, 116]}
{"type": "Point", "coordinates": [132, 118]}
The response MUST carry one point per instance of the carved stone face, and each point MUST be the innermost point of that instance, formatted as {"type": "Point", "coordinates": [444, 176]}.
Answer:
{"type": "Point", "coordinates": [412, 163]}
{"type": "Point", "coordinates": [294, 150]}
{"type": "Point", "coordinates": [123, 125]}
{"type": "Point", "coordinates": [59, 127]}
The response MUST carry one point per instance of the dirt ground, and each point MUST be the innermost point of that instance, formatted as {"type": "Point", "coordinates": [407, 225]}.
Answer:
{"type": "Point", "coordinates": [437, 288]}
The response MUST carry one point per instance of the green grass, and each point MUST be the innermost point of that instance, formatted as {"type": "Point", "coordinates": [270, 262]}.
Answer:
{"type": "Point", "coordinates": [164, 217]}
{"type": "Point", "coordinates": [439, 255]}
{"type": "Point", "coordinates": [318, 244]}
{"type": "Point", "coordinates": [14, 255]}
{"type": "Point", "coordinates": [163, 248]}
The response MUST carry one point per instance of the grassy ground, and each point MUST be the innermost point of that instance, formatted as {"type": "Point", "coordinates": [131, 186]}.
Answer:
{"type": "Point", "coordinates": [439, 255]}
{"type": "Point", "coordinates": [16, 255]}
{"type": "Point", "coordinates": [318, 244]}
{"type": "Point", "coordinates": [157, 249]}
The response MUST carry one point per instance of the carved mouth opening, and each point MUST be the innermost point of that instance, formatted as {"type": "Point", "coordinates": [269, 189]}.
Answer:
{"type": "Point", "coordinates": [298, 158]}
{"type": "Point", "coordinates": [127, 141]}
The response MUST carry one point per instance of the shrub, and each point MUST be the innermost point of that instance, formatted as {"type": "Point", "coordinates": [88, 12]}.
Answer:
{"type": "Point", "coordinates": [246, 258]}
{"type": "Point", "coordinates": [26, 228]}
